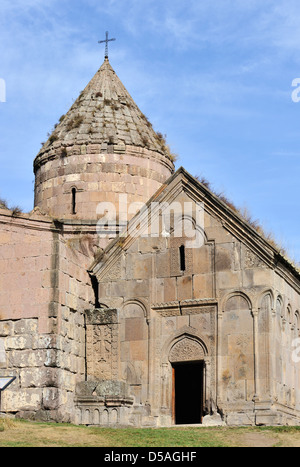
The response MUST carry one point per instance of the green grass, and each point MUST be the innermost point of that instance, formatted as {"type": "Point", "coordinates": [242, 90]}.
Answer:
{"type": "Point", "coordinates": [20, 433]}
{"type": "Point", "coordinates": [163, 437]}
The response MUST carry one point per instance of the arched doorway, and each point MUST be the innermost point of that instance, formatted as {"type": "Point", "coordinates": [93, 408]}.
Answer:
{"type": "Point", "coordinates": [187, 357]}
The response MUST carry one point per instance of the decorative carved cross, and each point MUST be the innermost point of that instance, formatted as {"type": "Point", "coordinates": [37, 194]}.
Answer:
{"type": "Point", "coordinates": [107, 40]}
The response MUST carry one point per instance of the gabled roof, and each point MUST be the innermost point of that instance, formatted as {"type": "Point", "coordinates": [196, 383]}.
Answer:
{"type": "Point", "coordinates": [231, 220]}
{"type": "Point", "coordinates": [106, 113]}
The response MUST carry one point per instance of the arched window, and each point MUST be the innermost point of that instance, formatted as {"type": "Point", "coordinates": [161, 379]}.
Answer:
{"type": "Point", "coordinates": [73, 200]}
{"type": "Point", "coordinates": [182, 258]}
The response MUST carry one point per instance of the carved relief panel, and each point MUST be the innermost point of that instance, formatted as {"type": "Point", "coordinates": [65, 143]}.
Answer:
{"type": "Point", "coordinates": [186, 350]}
{"type": "Point", "coordinates": [102, 344]}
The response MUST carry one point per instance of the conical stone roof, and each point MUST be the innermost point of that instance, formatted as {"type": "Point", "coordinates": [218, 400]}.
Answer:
{"type": "Point", "coordinates": [106, 114]}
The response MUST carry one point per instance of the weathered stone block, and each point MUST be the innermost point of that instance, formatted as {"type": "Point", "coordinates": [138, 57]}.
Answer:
{"type": "Point", "coordinates": [139, 350]}
{"type": "Point", "coordinates": [26, 326]}
{"type": "Point", "coordinates": [38, 377]}
{"type": "Point", "coordinates": [213, 420]}
{"type": "Point", "coordinates": [6, 328]}
{"type": "Point", "coordinates": [50, 398]}
{"type": "Point", "coordinates": [2, 353]}
{"type": "Point", "coordinates": [21, 400]}
{"type": "Point", "coordinates": [19, 342]}
{"type": "Point", "coordinates": [102, 316]}
{"type": "Point", "coordinates": [27, 358]}
{"type": "Point", "coordinates": [170, 289]}
{"type": "Point", "coordinates": [135, 329]}
{"type": "Point", "coordinates": [184, 288]}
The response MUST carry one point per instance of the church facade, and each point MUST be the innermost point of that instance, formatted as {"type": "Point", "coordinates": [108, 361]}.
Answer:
{"type": "Point", "coordinates": [132, 295]}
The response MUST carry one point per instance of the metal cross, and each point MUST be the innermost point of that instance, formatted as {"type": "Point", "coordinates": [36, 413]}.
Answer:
{"type": "Point", "coordinates": [107, 40]}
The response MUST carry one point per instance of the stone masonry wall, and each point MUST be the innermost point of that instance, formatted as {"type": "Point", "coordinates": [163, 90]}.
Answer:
{"type": "Point", "coordinates": [75, 296]}
{"type": "Point", "coordinates": [45, 289]}
{"type": "Point", "coordinates": [98, 176]}
{"type": "Point", "coordinates": [25, 272]}
{"type": "Point", "coordinates": [224, 305]}
{"type": "Point", "coordinates": [25, 324]}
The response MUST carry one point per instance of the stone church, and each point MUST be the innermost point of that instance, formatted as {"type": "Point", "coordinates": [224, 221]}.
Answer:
{"type": "Point", "coordinates": [132, 295]}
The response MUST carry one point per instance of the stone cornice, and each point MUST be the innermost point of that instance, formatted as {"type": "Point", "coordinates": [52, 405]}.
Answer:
{"type": "Point", "coordinates": [186, 307]}
{"type": "Point", "coordinates": [26, 221]}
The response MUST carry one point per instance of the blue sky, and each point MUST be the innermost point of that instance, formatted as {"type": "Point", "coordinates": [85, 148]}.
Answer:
{"type": "Point", "coordinates": [214, 76]}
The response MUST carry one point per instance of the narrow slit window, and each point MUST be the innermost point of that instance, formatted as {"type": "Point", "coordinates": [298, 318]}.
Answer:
{"type": "Point", "coordinates": [95, 286]}
{"type": "Point", "coordinates": [182, 257]}
{"type": "Point", "coordinates": [73, 200]}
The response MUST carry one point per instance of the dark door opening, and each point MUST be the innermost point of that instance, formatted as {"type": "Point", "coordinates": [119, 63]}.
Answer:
{"type": "Point", "coordinates": [188, 393]}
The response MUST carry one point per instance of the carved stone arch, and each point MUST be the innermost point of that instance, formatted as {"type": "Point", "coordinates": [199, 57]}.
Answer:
{"type": "Point", "coordinates": [191, 337]}
{"type": "Point", "coordinates": [279, 315]}
{"type": "Point", "coordinates": [196, 228]}
{"type": "Point", "coordinates": [139, 303]}
{"type": "Point", "coordinates": [135, 332]}
{"type": "Point", "coordinates": [237, 327]}
{"type": "Point", "coordinates": [289, 315]}
{"type": "Point", "coordinates": [184, 216]}
{"type": "Point", "coordinates": [279, 298]}
{"type": "Point", "coordinates": [187, 349]}
{"type": "Point", "coordinates": [235, 294]}
{"type": "Point", "coordinates": [68, 187]}
{"type": "Point", "coordinates": [297, 321]}
{"type": "Point", "coordinates": [262, 296]}
{"type": "Point", "coordinates": [279, 304]}
{"type": "Point", "coordinates": [184, 348]}
{"type": "Point", "coordinates": [130, 374]}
